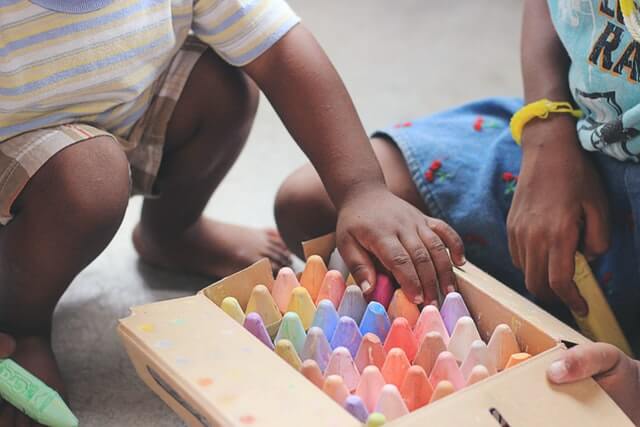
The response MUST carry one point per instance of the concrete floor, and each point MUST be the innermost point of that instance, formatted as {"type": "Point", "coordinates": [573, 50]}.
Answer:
{"type": "Point", "coordinates": [398, 62]}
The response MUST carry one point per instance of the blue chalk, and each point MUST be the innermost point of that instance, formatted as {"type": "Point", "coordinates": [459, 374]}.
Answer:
{"type": "Point", "coordinates": [326, 318]}
{"type": "Point", "coordinates": [375, 321]}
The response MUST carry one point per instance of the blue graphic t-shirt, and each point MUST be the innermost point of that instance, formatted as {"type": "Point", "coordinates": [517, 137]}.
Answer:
{"type": "Point", "coordinates": [605, 74]}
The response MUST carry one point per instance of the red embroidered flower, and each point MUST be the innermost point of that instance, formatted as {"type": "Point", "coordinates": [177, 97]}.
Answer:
{"type": "Point", "coordinates": [403, 125]}
{"type": "Point", "coordinates": [428, 175]}
{"type": "Point", "coordinates": [436, 165]}
{"type": "Point", "coordinates": [507, 177]}
{"type": "Point", "coordinates": [477, 125]}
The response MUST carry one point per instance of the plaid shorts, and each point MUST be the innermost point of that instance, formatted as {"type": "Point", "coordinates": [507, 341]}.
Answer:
{"type": "Point", "coordinates": [23, 155]}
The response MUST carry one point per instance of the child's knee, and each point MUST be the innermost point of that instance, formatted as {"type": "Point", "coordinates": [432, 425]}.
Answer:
{"type": "Point", "coordinates": [301, 198]}
{"type": "Point", "coordinates": [83, 189]}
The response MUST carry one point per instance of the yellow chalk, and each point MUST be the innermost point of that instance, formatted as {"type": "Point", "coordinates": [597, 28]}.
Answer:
{"type": "Point", "coordinates": [600, 324]}
{"type": "Point", "coordinates": [302, 304]}
{"type": "Point", "coordinates": [286, 351]}
{"type": "Point", "coordinates": [231, 306]}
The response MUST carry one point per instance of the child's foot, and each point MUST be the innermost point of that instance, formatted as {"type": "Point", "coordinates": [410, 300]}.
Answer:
{"type": "Point", "coordinates": [35, 355]}
{"type": "Point", "coordinates": [211, 248]}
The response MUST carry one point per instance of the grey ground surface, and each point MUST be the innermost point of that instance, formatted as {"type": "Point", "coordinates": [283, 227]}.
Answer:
{"type": "Point", "coordinates": [400, 59]}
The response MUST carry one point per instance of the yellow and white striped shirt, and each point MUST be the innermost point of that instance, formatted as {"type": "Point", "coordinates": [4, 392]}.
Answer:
{"type": "Point", "coordinates": [95, 61]}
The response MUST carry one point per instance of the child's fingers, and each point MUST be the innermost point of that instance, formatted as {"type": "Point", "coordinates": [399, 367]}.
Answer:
{"type": "Point", "coordinates": [561, 269]}
{"type": "Point", "coordinates": [359, 263]}
{"type": "Point", "coordinates": [584, 361]}
{"type": "Point", "coordinates": [450, 238]}
{"type": "Point", "coordinates": [395, 258]}
{"type": "Point", "coordinates": [7, 345]}
{"type": "Point", "coordinates": [424, 265]}
{"type": "Point", "coordinates": [441, 260]}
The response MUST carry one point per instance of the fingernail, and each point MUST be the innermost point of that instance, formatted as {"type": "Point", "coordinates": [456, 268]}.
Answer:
{"type": "Point", "coordinates": [419, 299]}
{"type": "Point", "coordinates": [434, 303]}
{"type": "Point", "coordinates": [463, 259]}
{"type": "Point", "coordinates": [451, 289]}
{"type": "Point", "coordinates": [557, 370]}
{"type": "Point", "coordinates": [365, 286]}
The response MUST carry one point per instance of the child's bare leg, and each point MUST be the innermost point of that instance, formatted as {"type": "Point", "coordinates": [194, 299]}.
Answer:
{"type": "Point", "coordinates": [303, 209]}
{"type": "Point", "coordinates": [64, 218]}
{"type": "Point", "coordinates": [206, 134]}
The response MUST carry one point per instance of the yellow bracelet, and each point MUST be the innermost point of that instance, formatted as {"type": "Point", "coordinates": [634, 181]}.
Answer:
{"type": "Point", "coordinates": [540, 109]}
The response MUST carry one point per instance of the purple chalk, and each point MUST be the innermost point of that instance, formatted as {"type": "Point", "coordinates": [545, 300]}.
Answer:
{"type": "Point", "coordinates": [316, 347]}
{"type": "Point", "coordinates": [254, 324]}
{"type": "Point", "coordinates": [355, 406]}
{"type": "Point", "coordinates": [453, 308]}
{"type": "Point", "coordinates": [347, 335]}
{"type": "Point", "coordinates": [353, 303]}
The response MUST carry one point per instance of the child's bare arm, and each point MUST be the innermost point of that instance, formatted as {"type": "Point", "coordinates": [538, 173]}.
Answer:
{"type": "Point", "coordinates": [616, 373]}
{"type": "Point", "coordinates": [559, 197]}
{"type": "Point", "coordinates": [313, 103]}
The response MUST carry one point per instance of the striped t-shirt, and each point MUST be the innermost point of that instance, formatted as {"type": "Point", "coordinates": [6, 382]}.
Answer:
{"type": "Point", "coordinates": [95, 61]}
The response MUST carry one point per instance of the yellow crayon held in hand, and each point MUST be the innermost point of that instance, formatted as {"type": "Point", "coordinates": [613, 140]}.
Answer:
{"type": "Point", "coordinates": [599, 324]}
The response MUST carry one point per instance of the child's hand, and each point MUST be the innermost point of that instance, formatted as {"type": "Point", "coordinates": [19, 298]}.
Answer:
{"type": "Point", "coordinates": [409, 244]}
{"type": "Point", "coordinates": [559, 198]}
{"type": "Point", "coordinates": [616, 373]}
{"type": "Point", "coordinates": [7, 346]}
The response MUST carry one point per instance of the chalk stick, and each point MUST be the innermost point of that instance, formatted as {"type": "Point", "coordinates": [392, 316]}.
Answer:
{"type": "Point", "coordinates": [341, 363]}
{"type": "Point", "coordinates": [332, 288]}
{"type": "Point", "coordinates": [302, 304]}
{"type": "Point", "coordinates": [375, 320]}
{"type": "Point", "coordinates": [254, 324]}
{"type": "Point", "coordinates": [291, 329]}
{"type": "Point", "coordinates": [432, 345]}
{"type": "Point", "coordinates": [464, 334]}
{"type": "Point", "coordinates": [430, 321]}
{"type": "Point", "coordinates": [446, 369]}
{"type": "Point", "coordinates": [285, 283]}
{"type": "Point", "coordinates": [395, 367]}
{"type": "Point", "coordinates": [400, 306]}
{"type": "Point", "coordinates": [347, 335]}
{"type": "Point", "coordinates": [452, 309]}
{"type": "Point", "coordinates": [391, 404]}
{"type": "Point", "coordinates": [401, 336]}
{"type": "Point", "coordinates": [326, 318]}
{"type": "Point", "coordinates": [313, 275]}
{"type": "Point", "coordinates": [353, 303]}
{"type": "Point", "coordinates": [370, 386]}
{"type": "Point", "coordinates": [370, 352]}
{"type": "Point", "coordinates": [231, 306]}
{"type": "Point", "coordinates": [416, 389]}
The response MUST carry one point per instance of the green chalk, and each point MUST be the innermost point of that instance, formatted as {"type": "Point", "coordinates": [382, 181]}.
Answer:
{"type": "Point", "coordinates": [33, 397]}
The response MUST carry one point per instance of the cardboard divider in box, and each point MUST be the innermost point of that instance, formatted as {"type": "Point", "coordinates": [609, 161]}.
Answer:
{"type": "Point", "coordinates": [212, 372]}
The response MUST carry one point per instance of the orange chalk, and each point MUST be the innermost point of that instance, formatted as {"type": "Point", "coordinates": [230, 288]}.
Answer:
{"type": "Point", "coordinates": [341, 363]}
{"type": "Point", "coordinates": [430, 321]}
{"type": "Point", "coordinates": [478, 355]}
{"type": "Point", "coordinates": [335, 388]}
{"type": "Point", "coordinates": [370, 352]}
{"type": "Point", "coordinates": [311, 371]}
{"type": "Point", "coordinates": [285, 283]}
{"type": "Point", "coordinates": [432, 345]}
{"type": "Point", "coordinates": [416, 389]}
{"type": "Point", "coordinates": [443, 389]}
{"type": "Point", "coordinates": [517, 358]}
{"type": "Point", "coordinates": [502, 345]}
{"type": "Point", "coordinates": [332, 288]}
{"type": "Point", "coordinates": [400, 306]}
{"type": "Point", "coordinates": [370, 386]}
{"type": "Point", "coordinates": [446, 368]}
{"type": "Point", "coordinates": [464, 333]}
{"type": "Point", "coordinates": [286, 351]}
{"type": "Point", "coordinates": [302, 304]}
{"type": "Point", "coordinates": [391, 404]}
{"type": "Point", "coordinates": [261, 302]}
{"type": "Point", "coordinates": [313, 275]}
{"type": "Point", "coordinates": [477, 374]}
{"type": "Point", "coordinates": [395, 367]}
{"type": "Point", "coordinates": [401, 336]}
